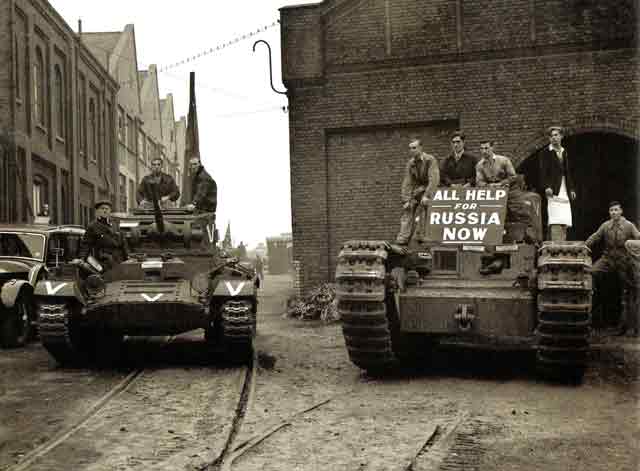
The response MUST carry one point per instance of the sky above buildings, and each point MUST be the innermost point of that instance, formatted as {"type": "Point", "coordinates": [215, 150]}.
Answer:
{"type": "Point", "coordinates": [244, 136]}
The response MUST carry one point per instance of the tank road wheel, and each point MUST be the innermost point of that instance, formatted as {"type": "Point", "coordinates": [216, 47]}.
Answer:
{"type": "Point", "coordinates": [238, 328]}
{"type": "Point", "coordinates": [60, 337]}
{"type": "Point", "coordinates": [364, 305]}
{"type": "Point", "coordinates": [564, 310]}
{"type": "Point", "coordinates": [15, 325]}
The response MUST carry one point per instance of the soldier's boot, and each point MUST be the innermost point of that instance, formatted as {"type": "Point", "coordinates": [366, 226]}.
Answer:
{"type": "Point", "coordinates": [629, 322]}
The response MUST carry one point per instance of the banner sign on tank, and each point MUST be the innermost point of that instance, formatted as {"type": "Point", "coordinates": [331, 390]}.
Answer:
{"type": "Point", "coordinates": [467, 215]}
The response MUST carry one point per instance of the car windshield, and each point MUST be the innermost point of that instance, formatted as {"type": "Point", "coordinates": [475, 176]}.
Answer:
{"type": "Point", "coordinates": [13, 244]}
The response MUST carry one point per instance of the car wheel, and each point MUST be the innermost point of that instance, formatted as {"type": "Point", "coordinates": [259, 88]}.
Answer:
{"type": "Point", "coordinates": [15, 326]}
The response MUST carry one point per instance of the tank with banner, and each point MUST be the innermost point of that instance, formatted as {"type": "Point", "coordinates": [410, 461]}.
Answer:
{"type": "Point", "coordinates": [477, 274]}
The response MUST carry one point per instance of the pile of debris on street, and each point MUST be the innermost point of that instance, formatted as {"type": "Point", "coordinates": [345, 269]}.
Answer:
{"type": "Point", "coordinates": [320, 304]}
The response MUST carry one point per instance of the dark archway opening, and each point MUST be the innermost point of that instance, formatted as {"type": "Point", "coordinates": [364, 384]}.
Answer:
{"type": "Point", "coordinates": [605, 167]}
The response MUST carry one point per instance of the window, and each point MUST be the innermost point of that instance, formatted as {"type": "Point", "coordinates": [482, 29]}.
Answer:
{"type": "Point", "coordinates": [16, 54]}
{"type": "Point", "coordinates": [123, 192]}
{"type": "Point", "coordinates": [93, 130]}
{"type": "Point", "coordinates": [131, 135]}
{"type": "Point", "coordinates": [142, 152]}
{"type": "Point", "coordinates": [82, 121]}
{"type": "Point", "coordinates": [39, 87]}
{"type": "Point", "coordinates": [120, 125]}
{"type": "Point", "coordinates": [40, 206]}
{"type": "Point", "coordinates": [59, 101]}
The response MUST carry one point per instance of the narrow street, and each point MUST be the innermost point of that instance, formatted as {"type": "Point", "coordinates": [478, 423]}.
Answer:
{"type": "Point", "coordinates": [308, 408]}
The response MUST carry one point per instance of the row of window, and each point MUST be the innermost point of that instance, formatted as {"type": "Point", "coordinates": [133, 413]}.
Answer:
{"type": "Point", "coordinates": [147, 149]}
{"type": "Point", "coordinates": [88, 132]}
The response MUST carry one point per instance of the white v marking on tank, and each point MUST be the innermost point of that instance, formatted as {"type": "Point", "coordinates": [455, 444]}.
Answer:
{"type": "Point", "coordinates": [151, 299]}
{"type": "Point", "coordinates": [53, 289]}
{"type": "Point", "coordinates": [234, 291]}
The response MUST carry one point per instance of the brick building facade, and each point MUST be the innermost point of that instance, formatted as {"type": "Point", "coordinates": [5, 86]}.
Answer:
{"type": "Point", "coordinates": [57, 102]}
{"type": "Point", "coordinates": [363, 76]}
{"type": "Point", "coordinates": [84, 120]}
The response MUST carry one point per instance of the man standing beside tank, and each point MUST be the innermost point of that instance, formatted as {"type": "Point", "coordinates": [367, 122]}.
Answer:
{"type": "Point", "coordinates": [421, 179]}
{"type": "Point", "coordinates": [614, 233]}
{"type": "Point", "coordinates": [556, 185]}
{"type": "Point", "coordinates": [204, 188]}
{"type": "Point", "coordinates": [459, 168]}
{"type": "Point", "coordinates": [102, 240]}
{"type": "Point", "coordinates": [157, 184]}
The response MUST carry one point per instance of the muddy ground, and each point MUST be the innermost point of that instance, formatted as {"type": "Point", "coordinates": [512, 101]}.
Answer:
{"type": "Point", "coordinates": [311, 409]}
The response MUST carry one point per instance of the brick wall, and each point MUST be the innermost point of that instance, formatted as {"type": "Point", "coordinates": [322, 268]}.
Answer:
{"type": "Point", "coordinates": [6, 68]}
{"type": "Point", "coordinates": [38, 33]}
{"type": "Point", "coordinates": [500, 69]}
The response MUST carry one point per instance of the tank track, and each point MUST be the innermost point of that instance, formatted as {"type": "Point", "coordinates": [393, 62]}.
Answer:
{"type": "Point", "coordinates": [238, 322]}
{"type": "Point", "coordinates": [54, 327]}
{"type": "Point", "coordinates": [564, 306]}
{"type": "Point", "coordinates": [361, 294]}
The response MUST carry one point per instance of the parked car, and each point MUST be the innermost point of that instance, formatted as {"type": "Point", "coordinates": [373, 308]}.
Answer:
{"type": "Point", "coordinates": [28, 254]}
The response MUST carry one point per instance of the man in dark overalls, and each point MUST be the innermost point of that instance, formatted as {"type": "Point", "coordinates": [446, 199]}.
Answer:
{"type": "Point", "coordinates": [157, 185]}
{"type": "Point", "coordinates": [102, 240]}
{"type": "Point", "coordinates": [204, 188]}
{"type": "Point", "coordinates": [421, 179]}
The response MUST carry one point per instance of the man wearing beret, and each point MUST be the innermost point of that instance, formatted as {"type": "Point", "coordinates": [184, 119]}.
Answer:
{"type": "Point", "coordinates": [102, 240]}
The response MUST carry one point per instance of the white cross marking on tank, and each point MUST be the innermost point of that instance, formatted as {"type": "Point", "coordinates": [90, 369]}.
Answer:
{"type": "Point", "coordinates": [234, 291]}
{"type": "Point", "coordinates": [151, 299]}
{"type": "Point", "coordinates": [53, 289]}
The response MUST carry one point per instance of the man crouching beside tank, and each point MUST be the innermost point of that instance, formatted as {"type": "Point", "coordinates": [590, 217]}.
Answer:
{"type": "Point", "coordinates": [203, 187]}
{"type": "Point", "coordinates": [157, 183]}
{"type": "Point", "coordinates": [421, 179]}
{"type": "Point", "coordinates": [102, 241]}
{"type": "Point", "coordinates": [614, 233]}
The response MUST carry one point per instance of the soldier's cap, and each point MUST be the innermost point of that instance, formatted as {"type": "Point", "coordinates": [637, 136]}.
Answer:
{"type": "Point", "coordinates": [103, 203]}
{"type": "Point", "coordinates": [550, 129]}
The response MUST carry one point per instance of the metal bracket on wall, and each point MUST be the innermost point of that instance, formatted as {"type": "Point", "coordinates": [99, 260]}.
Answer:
{"type": "Point", "coordinates": [270, 66]}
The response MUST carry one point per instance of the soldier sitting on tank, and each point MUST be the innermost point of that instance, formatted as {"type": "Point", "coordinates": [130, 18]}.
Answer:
{"type": "Point", "coordinates": [421, 179]}
{"type": "Point", "coordinates": [165, 187]}
{"type": "Point", "coordinates": [493, 170]}
{"type": "Point", "coordinates": [102, 240]}
{"type": "Point", "coordinates": [459, 168]}
{"type": "Point", "coordinates": [204, 188]}
{"type": "Point", "coordinates": [615, 259]}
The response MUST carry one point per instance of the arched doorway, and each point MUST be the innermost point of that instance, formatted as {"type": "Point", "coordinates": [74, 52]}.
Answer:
{"type": "Point", "coordinates": [604, 168]}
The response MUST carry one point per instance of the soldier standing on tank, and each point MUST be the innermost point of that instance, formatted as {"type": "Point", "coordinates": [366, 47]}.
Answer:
{"type": "Point", "coordinates": [556, 185]}
{"type": "Point", "coordinates": [204, 188]}
{"type": "Point", "coordinates": [615, 259]}
{"type": "Point", "coordinates": [102, 240]}
{"type": "Point", "coordinates": [421, 179]}
{"type": "Point", "coordinates": [165, 186]}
